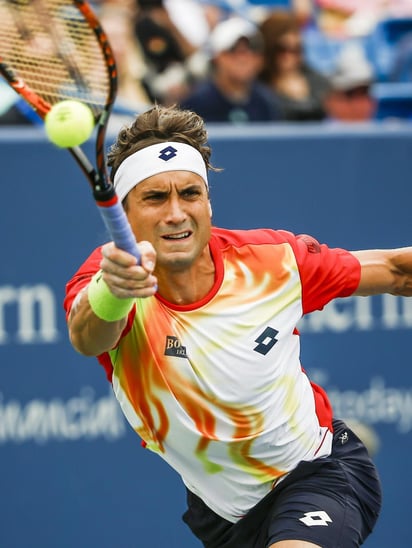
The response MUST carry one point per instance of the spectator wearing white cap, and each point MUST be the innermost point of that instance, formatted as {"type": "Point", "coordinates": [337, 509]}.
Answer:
{"type": "Point", "coordinates": [231, 92]}
{"type": "Point", "coordinates": [351, 99]}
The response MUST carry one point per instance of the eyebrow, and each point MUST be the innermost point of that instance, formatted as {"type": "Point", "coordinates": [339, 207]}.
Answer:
{"type": "Point", "coordinates": [159, 190]}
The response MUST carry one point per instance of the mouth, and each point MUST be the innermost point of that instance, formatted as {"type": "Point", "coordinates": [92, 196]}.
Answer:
{"type": "Point", "coordinates": [178, 236]}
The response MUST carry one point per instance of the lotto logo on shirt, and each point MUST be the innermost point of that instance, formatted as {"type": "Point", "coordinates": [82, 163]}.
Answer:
{"type": "Point", "coordinates": [175, 348]}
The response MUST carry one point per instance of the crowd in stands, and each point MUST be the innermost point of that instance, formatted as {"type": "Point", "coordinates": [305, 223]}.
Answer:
{"type": "Point", "coordinates": [238, 61]}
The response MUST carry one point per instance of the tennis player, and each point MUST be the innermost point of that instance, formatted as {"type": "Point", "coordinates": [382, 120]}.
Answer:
{"type": "Point", "coordinates": [201, 346]}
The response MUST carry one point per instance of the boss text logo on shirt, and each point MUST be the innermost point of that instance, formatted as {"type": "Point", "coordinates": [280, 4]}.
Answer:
{"type": "Point", "coordinates": [174, 347]}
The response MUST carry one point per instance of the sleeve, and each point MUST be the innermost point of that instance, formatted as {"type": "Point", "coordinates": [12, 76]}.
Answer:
{"type": "Point", "coordinates": [81, 278]}
{"type": "Point", "coordinates": [326, 273]}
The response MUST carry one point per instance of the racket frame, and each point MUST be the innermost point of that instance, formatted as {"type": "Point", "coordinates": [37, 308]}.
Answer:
{"type": "Point", "coordinates": [103, 190]}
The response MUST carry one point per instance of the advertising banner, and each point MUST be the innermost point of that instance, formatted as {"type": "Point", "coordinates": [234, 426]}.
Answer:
{"type": "Point", "coordinates": [74, 474]}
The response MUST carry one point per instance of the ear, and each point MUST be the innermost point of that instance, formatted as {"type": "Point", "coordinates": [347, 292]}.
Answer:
{"type": "Point", "coordinates": [210, 209]}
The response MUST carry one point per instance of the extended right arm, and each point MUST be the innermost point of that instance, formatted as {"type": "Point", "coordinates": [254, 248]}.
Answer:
{"type": "Point", "coordinates": [99, 312]}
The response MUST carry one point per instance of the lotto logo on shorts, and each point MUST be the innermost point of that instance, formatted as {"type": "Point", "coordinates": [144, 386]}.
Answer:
{"type": "Point", "coordinates": [316, 518]}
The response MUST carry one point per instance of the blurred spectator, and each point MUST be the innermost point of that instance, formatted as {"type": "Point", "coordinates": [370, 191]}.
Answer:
{"type": "Point", "coordinates": [304, 10]}
{"type": "Point", "coordinates": [350, 18]}
{"type": "Point", "coordinates": [171, 50]}
{"type": "Point", "coordinates": [116, 17]}
{"type": "Point", "coordinates": [300, 90]}
{"type": "Point", "coordinates": [333, 17]}
{"type": "Point", "coordinates": [193, 19]}
{"type": "Point", "coordinates": [350, 99]}
{"type": "Point", "coordinates": [117, 21]}
{"type": "Point", "coordinates": [232, 93]}
{"type": "Point", "coordinates": [401, 69]}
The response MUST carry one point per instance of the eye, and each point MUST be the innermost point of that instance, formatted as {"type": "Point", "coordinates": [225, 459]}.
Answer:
{"type": "Point", "coordinates": [155, 197]}
{"type": "Point", "coordinates": [191, 192]}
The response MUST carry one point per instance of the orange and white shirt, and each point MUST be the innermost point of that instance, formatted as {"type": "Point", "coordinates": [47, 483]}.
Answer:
{"type": "Point", "coordinates": [216, 387]}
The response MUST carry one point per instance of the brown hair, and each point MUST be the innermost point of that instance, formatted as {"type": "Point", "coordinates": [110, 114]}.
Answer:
{"type": "Point", "coordinates": [273, 28]}
{"type": "Point", "coordinates": [157, 125]}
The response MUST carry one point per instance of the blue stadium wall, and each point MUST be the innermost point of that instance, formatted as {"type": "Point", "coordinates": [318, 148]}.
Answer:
{"type": "Point", "coordinates": [73, 474]}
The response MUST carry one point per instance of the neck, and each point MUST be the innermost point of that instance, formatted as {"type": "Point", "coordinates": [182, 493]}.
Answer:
{"type": "Point", "coordinates": [187, 285]}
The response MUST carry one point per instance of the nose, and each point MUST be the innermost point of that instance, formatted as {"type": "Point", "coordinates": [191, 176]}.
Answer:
{"type": "Point", "coordinates": [175, 211]}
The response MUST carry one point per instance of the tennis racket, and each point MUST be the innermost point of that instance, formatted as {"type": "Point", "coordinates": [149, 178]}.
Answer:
{"type": "Point", "coordinates": [53, 50]}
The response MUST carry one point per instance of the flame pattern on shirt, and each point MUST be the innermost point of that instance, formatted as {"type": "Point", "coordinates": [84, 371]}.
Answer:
{"type": "Point", "coordinates": [240, 413]}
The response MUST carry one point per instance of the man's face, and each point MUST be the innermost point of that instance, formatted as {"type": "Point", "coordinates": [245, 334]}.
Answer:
{"type": "Point", "coordinates": [241, 63]}
{"type": "Point", "coordinates": [354, 105]}
{"type": "Point", "coordinates": [172, 211]}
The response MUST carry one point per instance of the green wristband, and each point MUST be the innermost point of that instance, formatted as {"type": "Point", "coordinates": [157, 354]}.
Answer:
{"type": "Point", "coordinates": [104, 304]}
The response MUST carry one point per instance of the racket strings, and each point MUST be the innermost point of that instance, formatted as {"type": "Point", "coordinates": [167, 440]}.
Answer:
{"type": "Point", "coordinates": [52, 48]}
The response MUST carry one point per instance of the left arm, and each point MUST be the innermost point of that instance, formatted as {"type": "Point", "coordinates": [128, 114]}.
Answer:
{"type": "Point", "coordinates": [385, 271]}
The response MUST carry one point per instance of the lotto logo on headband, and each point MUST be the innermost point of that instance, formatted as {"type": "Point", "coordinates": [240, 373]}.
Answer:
{"type": "Point", "coordinates": [167, 153]}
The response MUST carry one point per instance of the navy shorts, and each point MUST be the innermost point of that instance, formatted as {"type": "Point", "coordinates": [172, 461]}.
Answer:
{"type": "Point", "coordinates": [333, 502]}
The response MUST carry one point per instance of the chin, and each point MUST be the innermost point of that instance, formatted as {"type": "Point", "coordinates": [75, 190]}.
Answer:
{"type": "Point", "coordinates": [177, 260]}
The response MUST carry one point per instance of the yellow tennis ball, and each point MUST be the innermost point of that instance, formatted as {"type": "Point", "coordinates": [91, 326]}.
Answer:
{"type": "Point", "coordinates": [69, 123]}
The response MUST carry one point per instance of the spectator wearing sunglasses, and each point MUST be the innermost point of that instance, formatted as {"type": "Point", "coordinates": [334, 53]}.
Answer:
{"type": "Point", "coordinates": [299, 89]}
{"type": "Point", "coordinates": [351, 98]}
{"type": "Point", "coordinates": [231, 92]}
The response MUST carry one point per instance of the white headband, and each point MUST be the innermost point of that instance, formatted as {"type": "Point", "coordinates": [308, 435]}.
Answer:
{"type": "Point", "coordinates": [156, 159]}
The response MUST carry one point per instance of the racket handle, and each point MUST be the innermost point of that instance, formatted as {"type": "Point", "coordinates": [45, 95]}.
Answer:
{"type": "Point", "coordinates": [118, 226]}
